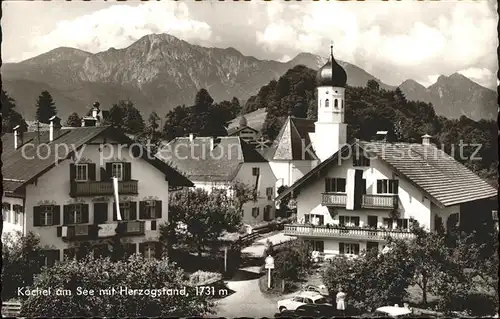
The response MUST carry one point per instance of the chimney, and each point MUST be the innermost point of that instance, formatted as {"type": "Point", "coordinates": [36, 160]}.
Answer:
{"type": "Point", "coordinates": [191, 137]}
{"type": "Point", "coordinates": [54, 127]}
{"type": "Point", "coordinates": [426, 139]}
{"type": "Point", "coordinates": [17, 137]}
{"type": "Point", "coordinates": [382, 136]}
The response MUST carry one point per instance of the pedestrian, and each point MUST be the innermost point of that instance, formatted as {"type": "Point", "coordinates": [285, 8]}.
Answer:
{"type": "Point", "coordinates": [341, 300]}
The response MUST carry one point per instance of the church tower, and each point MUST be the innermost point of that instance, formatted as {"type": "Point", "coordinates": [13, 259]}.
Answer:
{"type": "Point", "coordinates": [330, 128]}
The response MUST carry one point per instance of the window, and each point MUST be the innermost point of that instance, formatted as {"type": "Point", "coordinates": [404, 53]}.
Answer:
{"type": "Point", "coordinates": [50, 257]}
{"type": "Point", "coordinates": [117, 170]}
{"type": "Point", "coordinates": [308, 300]}
{"type": "Point", "coordinates": [150, 209]}
{"type": "Point", "coordinates": [360, 160]}
{"type": "Point", "coordinates": [298, 299]}
{"type": "Point", "coordinates": [269, 193]}
{"type": "Point", "coordinates": [317, 220]}
{"type": "Point", "coordinates": [372, 245]}
{"type": "Point", "coordinates": [349, 249]}
{"type": "Point", "coordinates": [327, 103]}
{"type": "Point", "coordinates": [349, 221]}
{"type": "Point", "coordinates": [335, 185]}
{"type": "Point", "coordinates": [18, 214]}
{"type": "Point", "coordinates": [46, 215]}
{"type": "Point", "coordinates": [74, 214]}
{"type": "Point", "coordinates": [316, 245]}
{"type": "Point", "coordinates": [255, 171]}
{"type": "Point", "coordinates": [387, 186]}
{"type": "Point", "coordinates": [6, 212]}
{"type": "Point", "coordinates": [82, 172]}
{"type": "Point", "coordinates": [255, 212]}
{"type": "Point", "coordinates": [402, 223]}
{"type": "Point", "coordinates": [125, 210]}
{"type": "Point", "coordinates": [388, 223]}
{"type": "Point", "coordinates": [149, 250]}
{"type": "Point", "coordinates": [336, 103]}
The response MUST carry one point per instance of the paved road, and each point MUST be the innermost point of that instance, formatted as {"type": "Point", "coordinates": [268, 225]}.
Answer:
{"type": "Point", "coordinates": [247, 300]}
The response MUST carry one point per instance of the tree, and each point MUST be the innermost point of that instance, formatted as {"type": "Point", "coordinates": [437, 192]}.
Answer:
{"type": "Point", "coordinates": [200, 217]}
{"type": "Point", "coordinates": [74, 120]}
{"type": "Point", "coordinates": [45, 107]}
{"type": "Point", "coordinates": [292, 260]}
{"type": "Point", "coordinates": [20, 262]}
{"type": "Point", "coordinates": [10, 118]}
{"type": "Point", "coordinates": [241, 194]}
{"type": "Point", "coordinates": [126, 116]}
{"type": "Point", "coordinates": [152, 276]}
{"type": "Point", "coordinates": [153, 122]}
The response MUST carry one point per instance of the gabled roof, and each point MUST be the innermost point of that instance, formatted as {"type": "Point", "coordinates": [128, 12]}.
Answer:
{"type": "Point", "coordinates": [19, 169]}
{"type": "Point", "coordinates": [235, 130]}
{"type": "Point", "coordinates": [446, 181]}
{"type": "Point", "coordinates": [292, 140]}
{"type": "Point", "coordinates": [200, 163]}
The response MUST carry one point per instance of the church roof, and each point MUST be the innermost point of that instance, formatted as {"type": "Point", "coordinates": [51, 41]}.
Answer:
{"type": "Point", "coordinates": [444, 180]}
{"type": "Point", "coordinates": [292, 140]}
{"type": "Point", "coordinates": [331, 74]}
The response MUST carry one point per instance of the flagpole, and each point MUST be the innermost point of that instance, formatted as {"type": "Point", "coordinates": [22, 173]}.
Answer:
{"type": "Point", "coordinates": [117, 199]}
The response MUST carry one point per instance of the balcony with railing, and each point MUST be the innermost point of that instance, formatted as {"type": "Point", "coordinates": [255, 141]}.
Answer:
{"type": "Point", "coordinates": [100, 188]}
{"type": "Point", "coordinates": [380, 201]}
{"type": "Point", "coordinates": [77, 232]}
{"type": "Point", "coordinates": [356, 233]}
{"type": "Point", "coordinates": [123, 228]}
{"type": "Point", "coordinates": [334, 199]}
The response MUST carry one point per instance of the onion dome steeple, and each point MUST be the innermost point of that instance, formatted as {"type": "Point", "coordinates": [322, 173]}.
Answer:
{"type": "Point", "coordinates": [331, 74]}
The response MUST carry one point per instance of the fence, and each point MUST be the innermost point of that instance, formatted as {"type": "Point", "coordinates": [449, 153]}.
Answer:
{"type": "Point", "coordinates": [11, 309]}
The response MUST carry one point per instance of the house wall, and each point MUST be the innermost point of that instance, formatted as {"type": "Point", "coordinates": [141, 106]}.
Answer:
{"type": "Point", "coordinates": [412, 203]}
{"type": "Point", "coordinates": [288, 172]}
{"type": "Point", "coordinates": [9, 224]}
{"type": "Point", "coordinates": [54, 186]}
{"type": "Point", "coordinates": [244, 175]}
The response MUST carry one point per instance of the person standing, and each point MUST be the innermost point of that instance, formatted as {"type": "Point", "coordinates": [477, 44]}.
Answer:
{"type": "Point", "coordinates": [341, 300]}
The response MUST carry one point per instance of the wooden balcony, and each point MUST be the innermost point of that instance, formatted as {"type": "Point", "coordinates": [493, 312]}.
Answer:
{"type": "Point", "coordinates": [77, 232]}
{"type": "Point", "coordinates": [124, 228]}
{"type": "Point", "coordinates": [101, 188]}
{"type": "Point", "coordinates": [334, 199]}
{"type": "Point", "coordinates": [380, 201]}
{"type": "Point", "coordinates": [345, 232]}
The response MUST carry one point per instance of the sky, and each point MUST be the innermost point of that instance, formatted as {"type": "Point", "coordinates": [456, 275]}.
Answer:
{"type": "Point", "coordinates": [394, 40]}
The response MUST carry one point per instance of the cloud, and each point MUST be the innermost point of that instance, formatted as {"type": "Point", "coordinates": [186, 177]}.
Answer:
{"type": "Point", "coordinates": [120, 25]}
{"type": "Point", "coordinates": [482, 76]}
{"type": "Point", "coordinates": [418, 39]}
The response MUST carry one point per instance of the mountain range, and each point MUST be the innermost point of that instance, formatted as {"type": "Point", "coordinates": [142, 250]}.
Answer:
{"type": "Point", "coordinates": [160, 71]}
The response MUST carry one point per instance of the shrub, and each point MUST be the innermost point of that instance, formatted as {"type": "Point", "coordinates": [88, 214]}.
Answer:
{"type": "Point", "coordinates": [100, 275]}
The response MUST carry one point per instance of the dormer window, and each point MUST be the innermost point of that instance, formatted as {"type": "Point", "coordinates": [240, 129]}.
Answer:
{"type": "Point", "coordinates": [327, 103]}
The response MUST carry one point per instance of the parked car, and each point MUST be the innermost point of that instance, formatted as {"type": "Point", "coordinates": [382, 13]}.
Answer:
{"type": "Point", "coordinates": [321, 290]}
{"type": "Point", "coordinates": [303, 298]}
{"type": "Point", "coordinates": [312, 310]}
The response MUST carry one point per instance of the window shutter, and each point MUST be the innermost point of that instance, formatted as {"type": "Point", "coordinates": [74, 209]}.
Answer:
{"type": "Point", "coordinates": [142, 210]}
{"type": "Point", "coordinates": [158, 209]}
{"type": "Point", "coordinates": [395, 186]}
{"type": "Point", "coordinates": [132, 248]}
{"type": "Point", "coordinates": [342, 184]}
{"type": "Point", "coordinates": [66, 212]}
{"type": "Point", "coordinates": [341, 248]}
{"type": "Point", "coordinates": [37, 210]}
{"type": "Point", "coordinates": [59, 231]}
{"type": "Point", "coordinates": [127, 171]}
{"type": "Point", "coordinates": [356, 249]}
{"type": "Point", "coordinates": [141, 248]}
{"type": "Point", "coordinates": [306, 218]}
{"type": "Point", "coordinates": [72, 172]}
{"type": "Point", "coordinates": [115, 216]}
{"type": "Point", "coordinates": [56, 215]}
{"type": "Point", "coordinates": [85, 213]}
{"type": "Point", "coordinates": [321, 220]}
{"type": "Point", "coordinates": [379, 186]}
{"type": "Point", "coordinates": [133, 210]}
{"type": "Point", "coordinates": [356, 220]}
{"type": "Point", "coordinates": [104, 174]}
{"type": "Point", "coordinates": [91, 167]}
{"type": "Point", "coordinates": [109, 171]}
{"type": "Point", "coordinates": [341, 220]}
{"type": "Point", "coordinates": [327, 188]}
{"type": "Point", "coordinates": [57, 255]}
{"type": "Point", "coordinates": [153, 225]}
